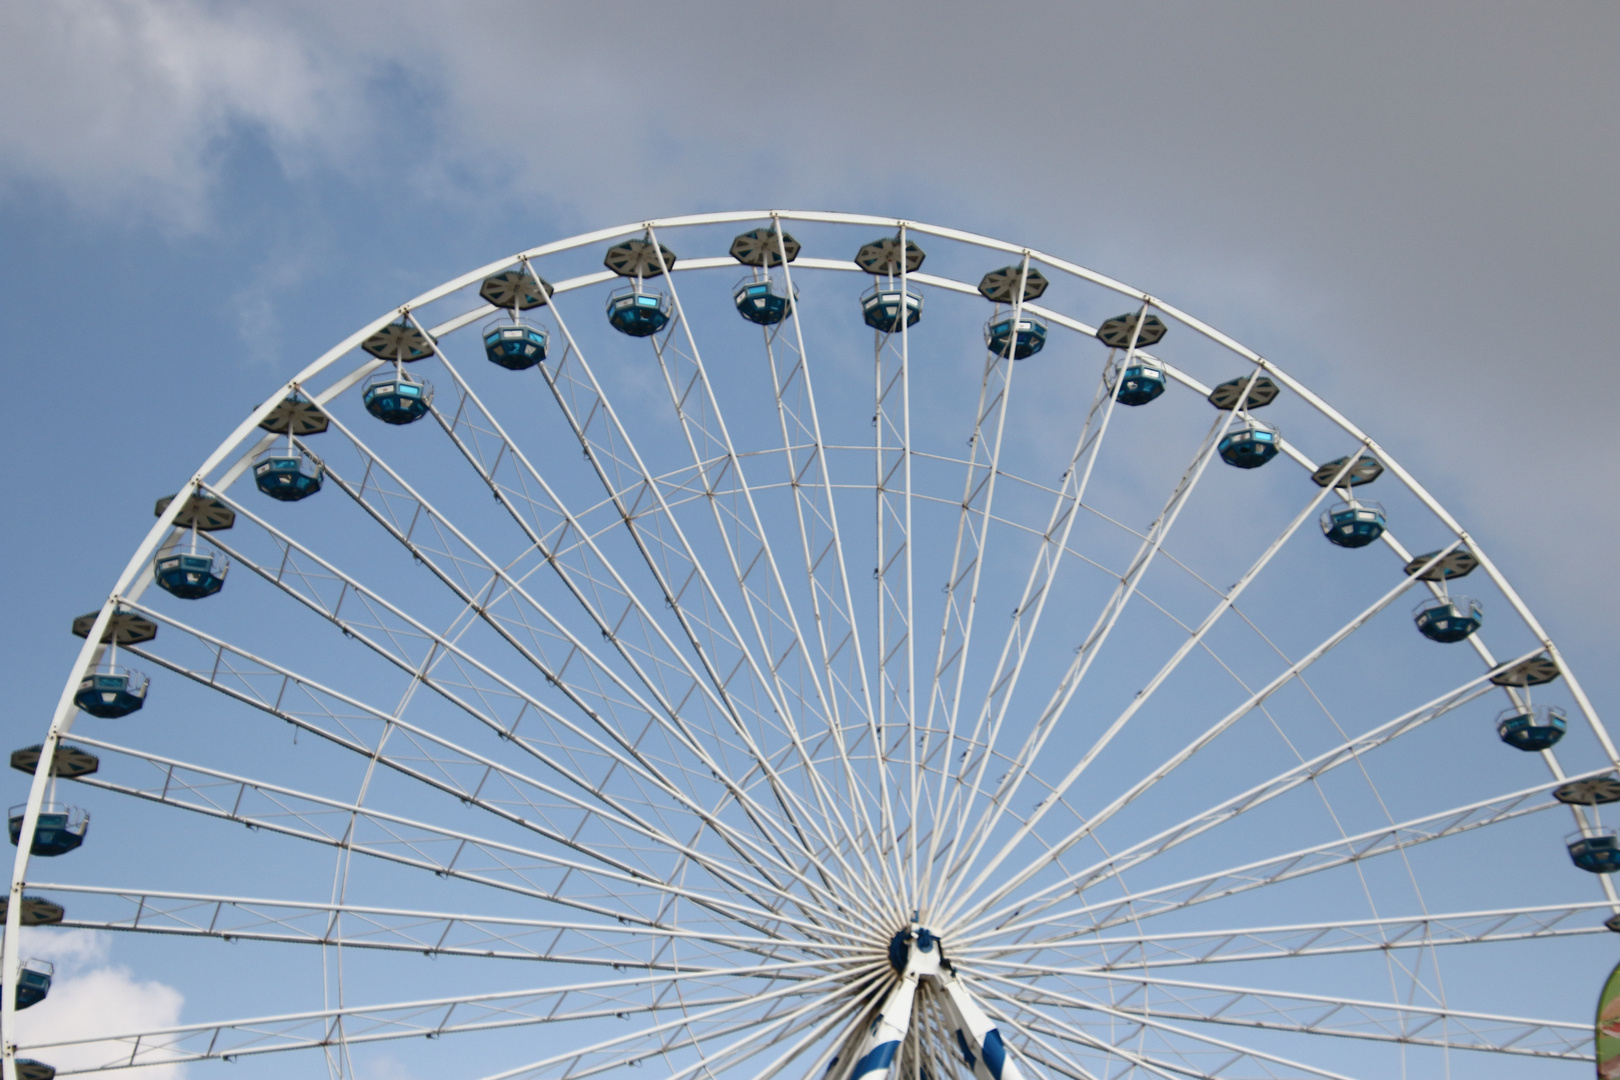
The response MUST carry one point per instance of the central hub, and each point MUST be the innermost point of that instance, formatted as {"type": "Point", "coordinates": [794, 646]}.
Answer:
{"type": "Point", "coordinates": [918, 938]}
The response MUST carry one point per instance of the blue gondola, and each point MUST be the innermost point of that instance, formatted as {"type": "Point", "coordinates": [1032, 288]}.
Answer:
{"type": "Point", "coordinates": [637, 310]}
{"type": "Point", "coordinates": [1140, 384]}
{"type": "Point", "coordinates": [60, 828]}
{"type": "Point", "coordinates": [190, 575]}
{"type": "Point", "coordinates": [765, 301]}
{"type": "Point", "coordinates": [1596, 851]}
{"type": "Point", "coordinates": [1532, 729]}
{"type": "Point", "coordinates": [397, 398]}
{"type": "Point", "coordinates": [1354, 524]}
{"type": "Point", "coordinates": [1029, 339]}
{"type": "Point", "coordinates": [514, 344]}
{"type": "Point", "coordinates": [33, 982]}
{"type": "Point", "coordinates": [1249, 444]}
{"type": "Point", "coordinates": [287, 475]}
{"type": "Point", "coordinates": [111, 692]}
{"type": "Point", "coordinates": [1448, 619]}
{"type": "Point", "coordinates": [881, 307]}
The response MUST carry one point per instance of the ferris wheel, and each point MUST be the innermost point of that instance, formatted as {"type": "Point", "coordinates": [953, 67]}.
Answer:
{"type": "Point", "coordinates": [723, 646]}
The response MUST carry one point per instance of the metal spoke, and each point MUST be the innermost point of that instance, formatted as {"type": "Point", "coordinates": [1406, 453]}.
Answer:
{"type": "Point", "coordinates": [446, 852]}
{"type": "Point", "coordinates": [1012, 992]}
{"type": "Point", "coordinates": [234, 1039]}
{"type": "Point", "coordinates": [842, 659]}
{"type": "Point", "coordinates": [472, 779]}
{"type": "Point", "coordinates": [1253, 702]}
{"type": "Point", "coordinates": [1034, 1024]}
{"type": "Point", "coordinates": [634, 622]}
{"type": "Point", "coordinates": [502, 587]}
{"type": "Point", "coordinates": [688, 1018]}
{"type": "Point", "coordinates": [895, 660]}
{"type": "Point", "coordinates": [1348, 752]}
{"type": "Point", "coordinates": [1315, 1014]}
{"type": "Point", "coordinates": [430, 933]}
{"type": "Point", "coordinates": [1142, 951]}
{"type": "Point", "coordinates": [1054, 541]}
{"type": "Point", "coordinates": [644, 510]}
{"type": "Point", "coordinates": [1326, 856]}
{"type": "Point", "coordinates": [1056, 706]}
{"type": "Point", "coordinates": [757, 576]}
{"type": "Point", "coordinates": [431, 759]}
{"type": "Point", "coordinates": [962, 588]}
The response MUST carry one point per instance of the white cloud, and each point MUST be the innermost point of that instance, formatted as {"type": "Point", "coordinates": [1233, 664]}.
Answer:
{"type": "Point", "coordinates": [384, 1066]}
{"type": "Point", "coordinates": [117, 103]}
{"type": "Point", "coordinates": [69, 950]}
{"type": "Point", "coordinates": [89, 996]}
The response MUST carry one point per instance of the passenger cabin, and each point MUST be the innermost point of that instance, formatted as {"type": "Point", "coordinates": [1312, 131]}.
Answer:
{"type": "Point", "coordinates": [1448, 619]}
{"type": "Point", "coordinates": [59, 830]}
{"type": "Point", "coordinates": [29, 1069]}
{"type": "Point", "coordinates": [287, 476]}
{"type": "Point", "coordinates": [1532, 729]}
{"type": "Point", "coordinates": [397, 398]}
{"type": "Point", "coordinates": [1139, 384]}
{"type": "Point", "coordinates": [1025, 341]}
{"type": "Point", "coordinates": [111, 692]}
{"type": "Point", "coordinates": [888, 308]}
{"type": "Point", "coordinates": [637, 310]}
{"type": "Point", "coordinates": [1249, 444]}
{"type": "Point", "coordinates": [1597, 851]}
{"type": "Point", "coordinates": [1353, 524]}
{"type": "Point", "coordinates": [190, 576]}
{"type": "Point", "coordinates": [33, 982]}
{"type": "Point", "coordinates": [514, 344]}
{"type": "Point", "coordinates": [764, 301]}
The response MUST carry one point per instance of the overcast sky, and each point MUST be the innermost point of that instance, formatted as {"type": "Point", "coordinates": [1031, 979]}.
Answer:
{"type": "Point", "coordinates": [1411, 207]}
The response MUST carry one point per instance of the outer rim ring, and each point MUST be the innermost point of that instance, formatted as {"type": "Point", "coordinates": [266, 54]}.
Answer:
{"type": "Point", "coordinates": [135, 576]}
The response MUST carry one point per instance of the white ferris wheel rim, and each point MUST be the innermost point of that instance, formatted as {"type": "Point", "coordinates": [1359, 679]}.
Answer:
{"type": "Point", "coordinates": [233, 457]}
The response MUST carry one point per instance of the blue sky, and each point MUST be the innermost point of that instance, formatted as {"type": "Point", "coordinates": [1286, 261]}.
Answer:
{"type": "Point", "coordinates": [1410, 208]}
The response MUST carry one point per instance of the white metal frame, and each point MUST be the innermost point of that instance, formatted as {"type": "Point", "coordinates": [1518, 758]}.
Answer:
{"type": "Point", "coordinates": [821, 850]}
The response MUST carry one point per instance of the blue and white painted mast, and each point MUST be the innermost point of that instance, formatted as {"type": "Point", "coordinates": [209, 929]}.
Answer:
{"type": "Point", "coordinates": [917, 954]}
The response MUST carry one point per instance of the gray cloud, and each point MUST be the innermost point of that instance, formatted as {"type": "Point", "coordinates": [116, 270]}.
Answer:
{"type": "Point", "coordinates": [120, 105]}
{"type": "Point", "coordinates": [1410, 206]}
